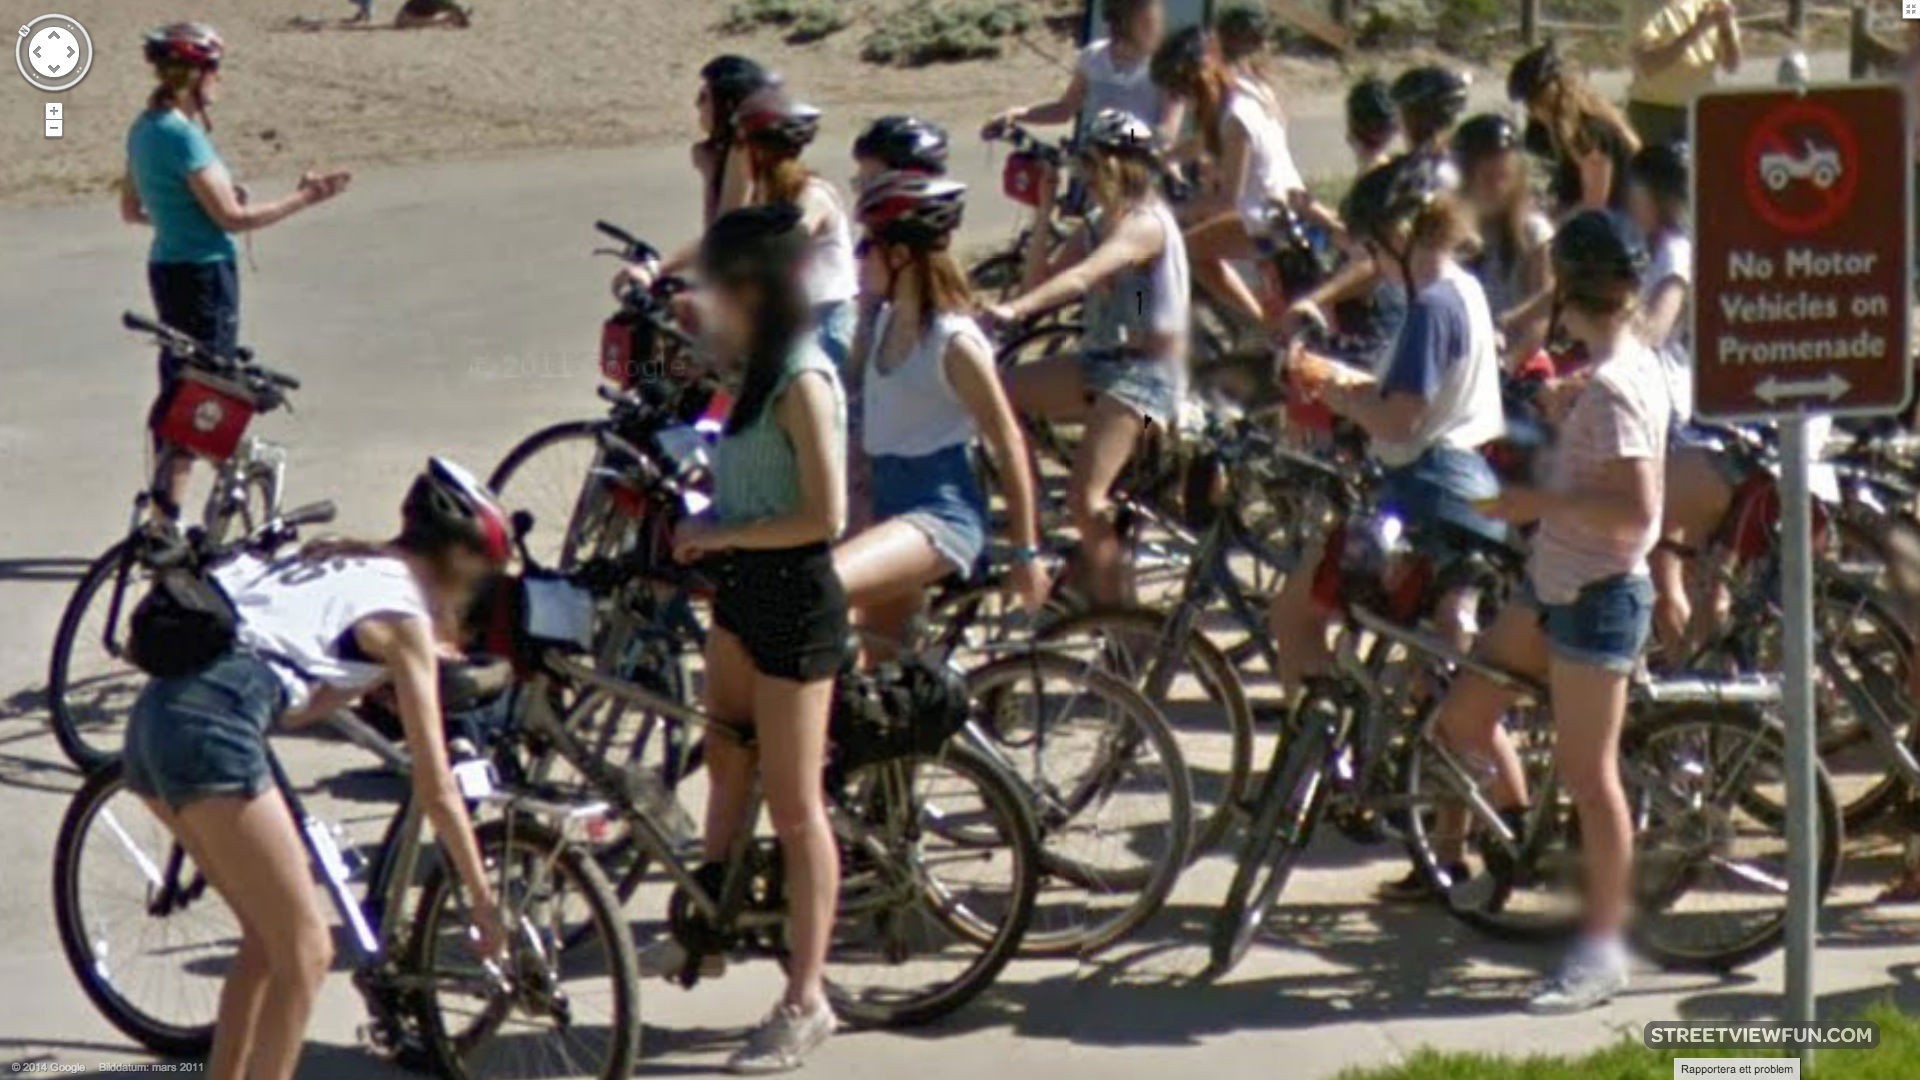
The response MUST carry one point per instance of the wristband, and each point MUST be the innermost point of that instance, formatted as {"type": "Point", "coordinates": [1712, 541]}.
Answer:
{"type": "Point", "coordinates": [1025, 554]}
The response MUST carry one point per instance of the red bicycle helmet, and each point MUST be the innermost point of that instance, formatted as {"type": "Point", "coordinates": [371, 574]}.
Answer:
{"type": "Point", "coordinates": [770, 117]}
{"type": "Point", "coordinates": [194, 44]}
{"type": "Point", "coordinates": [912, 208]}
{"type": "Point", "coordinates": [447, 505]}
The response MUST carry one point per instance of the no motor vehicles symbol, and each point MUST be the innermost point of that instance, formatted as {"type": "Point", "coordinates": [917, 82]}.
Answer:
{"type": "Point", "coordinates": [1801, 167]}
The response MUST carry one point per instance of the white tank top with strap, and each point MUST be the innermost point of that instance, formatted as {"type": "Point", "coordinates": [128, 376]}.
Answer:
{"type": "Point", "coordinates": [297, 611]}
{"type": "Point", "coordinates": [833, 275]}
{"type": "Point", "coordinates": [1271, 171]}
{"type": "Point", "coordinates": [913, 410]}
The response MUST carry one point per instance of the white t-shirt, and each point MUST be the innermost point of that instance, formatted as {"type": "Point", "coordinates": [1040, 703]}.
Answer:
{"type": "Point", "coordinates": [301, 609]}
{"type": "Point", "coordinates": [1130, 89]}
{"type": "Point", "coordinates": [1445, 354]}
{"type": "Point", "coordinates": [1672, 260]}
{"type": "Point", "coordinates": [913, 410]}
{"type": "Point", "coordinates": [1271, 171]}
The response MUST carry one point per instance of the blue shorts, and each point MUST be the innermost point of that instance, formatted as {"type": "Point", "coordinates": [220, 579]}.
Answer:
{"type": "Point", "coordinates": [1441, 485]}
{"type": "Point", "coordinates": [833, 325]}
{"type": "Point", "coordinates": [1151, 388]}
{"type": "Point", "coordinates": [938, 494]}
{"type": "Point", "coordinates": [201, 300]}
{"type": "Point", "coordinates": [205, 734]}
{"type": "Point", "coordinates": [1605, 626]}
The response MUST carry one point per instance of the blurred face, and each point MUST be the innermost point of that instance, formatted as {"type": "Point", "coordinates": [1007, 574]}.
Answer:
{"type": "Point", "coordinates": [1642, 208]}
{"type": "Point", "coordinates": [454, 575]}
{"type": "Point", "coordinates": [704, 105]}
{"type": "Point", "coordinates": [210, 83]}
{"type": "Point", "coordinates": [1146, 26]}
{"type": "Point", "coordinates": [728, 318]}
{"type": "Point", "coordinates": [880, 265]}
{"type": "Point", "coordinates": [1495, 182]}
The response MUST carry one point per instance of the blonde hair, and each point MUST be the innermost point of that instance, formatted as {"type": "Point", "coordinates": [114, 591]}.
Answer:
{"type": "Point", "coordinates": [1120, 180]}
{"type": "Point", "coordinates": [779, 176]}
{"type": "Point", "coordinates": [179, 87]}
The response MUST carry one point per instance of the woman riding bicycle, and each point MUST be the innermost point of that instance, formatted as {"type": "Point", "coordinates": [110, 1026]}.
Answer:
{"type": "Point", "coordinates": [1132, 370]}
{"type": "Point", "coordinates": [1513, 264]}
{"type": "Point", "coordinates": [316, 631]}
{"type": "Point", "coordinates": [1433, 402]}
{"type": "Point", "coordinates": [931, 391]}
{"type": "Point", "coordinates": [1111, 74]}
{"type": "Point", "coordinates": [176, 183]}
{"type": "Point", "coordinates": [1249, 168]}
{"type": "Point", "coordinates": [1585, 613]}
{"type": "Point", "coordinates": [779, 633]}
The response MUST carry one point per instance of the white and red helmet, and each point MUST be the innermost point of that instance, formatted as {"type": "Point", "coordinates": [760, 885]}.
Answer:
{"type": "Point", "coordinates": [194, 44]}
{"type": "Point", "coordinates": [911, 208]}
{"type": "Point", "coordinates": [448, 505]}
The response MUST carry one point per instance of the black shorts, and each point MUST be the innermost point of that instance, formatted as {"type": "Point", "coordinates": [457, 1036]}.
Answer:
{"type": "Point", "coordinates": [788, 609]}
{"type": "Point", "coordinates": [201, 300]}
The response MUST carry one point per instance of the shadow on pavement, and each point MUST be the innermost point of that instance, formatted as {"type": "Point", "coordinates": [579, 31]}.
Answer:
{"type": "Point", "coordinates": [43, 569]}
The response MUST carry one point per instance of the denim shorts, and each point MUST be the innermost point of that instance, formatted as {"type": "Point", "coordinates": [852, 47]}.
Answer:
{"type": "Point", "coordinates": [1151, 388]}
{"type": "Point", "coordinates": [205, 734]}
{"type": "Point", "coordinates": [833, 325]}
{"type": "Point", "coordinates": [1441, 485]}
{"type": "Point", "coordinates": [1605, 626]}
{"type": "Point", "coordinates": [938, 494]}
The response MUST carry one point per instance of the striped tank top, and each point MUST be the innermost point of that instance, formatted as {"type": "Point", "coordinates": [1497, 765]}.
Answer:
{"type": "Point", "coordinates": [755, 473]}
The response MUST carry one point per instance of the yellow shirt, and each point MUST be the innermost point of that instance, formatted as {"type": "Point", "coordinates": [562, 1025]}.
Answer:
{"type": "Point", "coordinates": [1653, 23]}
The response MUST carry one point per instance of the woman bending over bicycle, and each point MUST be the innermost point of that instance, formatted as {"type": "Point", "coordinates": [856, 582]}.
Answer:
{"type": "Point", "coordinates": [176, 183]}
{"type": "Point", "coordinates": [931, 391]}
{"type": "Point", "coordinates": [1112, 73]}
{"type": "Point", "coordinates": [1249, 167]}
{"type": "Point", "coordinates": [1432, 403]}
{"type": "Point", "coordinates": [1585, 613]}
{"type": "Point", "coordinates": [316, 631]}
{"type": "Point", "coordinates": [779, 613]}
{"type": "Point", "coordinates": [1132, 371]}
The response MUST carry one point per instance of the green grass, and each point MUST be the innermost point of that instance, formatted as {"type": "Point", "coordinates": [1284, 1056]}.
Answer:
{"type": "Point", "coordinates": [1896, 1058]}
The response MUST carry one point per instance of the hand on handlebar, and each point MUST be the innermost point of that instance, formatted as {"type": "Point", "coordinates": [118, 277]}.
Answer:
{"type": "Point", "coordinates": [640, 275]}
{"type": "Point", "coordinates": [997, 128]}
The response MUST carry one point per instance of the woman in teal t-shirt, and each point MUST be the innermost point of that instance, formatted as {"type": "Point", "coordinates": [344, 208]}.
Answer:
{"type": "Point", "coordinates": [177, 183]}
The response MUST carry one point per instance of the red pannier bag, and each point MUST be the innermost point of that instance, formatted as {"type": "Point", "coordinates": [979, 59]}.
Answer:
{"type": "Point", "coordinates": [204, 414]}
{"type": "Point", "coordinates": [1024, 177]}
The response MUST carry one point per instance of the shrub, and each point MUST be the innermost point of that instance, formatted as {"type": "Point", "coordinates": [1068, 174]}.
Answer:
{"type": "Point", "coordinates": [1460, 22]}
{"type": "Point", "coordinates": [932, 32]}
{"type": "Point", "coordinates": [804, 20]}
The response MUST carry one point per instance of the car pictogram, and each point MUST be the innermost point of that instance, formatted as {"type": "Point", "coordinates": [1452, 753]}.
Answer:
{"type": "Point", "coordinates": [1820, 164]}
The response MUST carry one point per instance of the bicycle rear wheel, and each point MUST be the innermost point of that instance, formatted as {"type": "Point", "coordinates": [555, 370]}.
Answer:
{"type": "Point", "coordinates": [91, 687]}
{"type": "Point", "coordinates": [143, 931]}
{"type": "Point", "coordinates": [1285, 814]}
{"type": "Point", "coordinates": [1108, 787]}
{"type": "Point", "coordinates": [548, 474]}
{"type": "Point", "coordinates": [941, 869]}
{"type": "Point", "coordinates": [571, 1003]}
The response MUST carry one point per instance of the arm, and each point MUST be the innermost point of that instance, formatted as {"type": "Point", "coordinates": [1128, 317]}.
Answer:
{"type": "Point", "coordinates": [1663, 311]}
{"type": "Point", "coordinates": [1062, 110]}
{"type": "Point", "coordinates": [1137, 240]}
{"type": "Point", "coordinates": [214, 190]}
{"type": "Point", "coordinates": [1173, 112]}
{"type": "Point", "coordinates": [1624, 498]}
{"type": "Point", "coordinates": [1229, 175]}
{"type": "Point", "coordinates": [1393, 417]}
{"type": "Point", "coordinates": [131, 210]}
{"type": "Point", "coordinates": [1596, 180]}
{"type": "Point", "coordinates": [806, 413]}
{"type": "Point", "coordinates": [970, 371]}
{"type": "Point", "coordinates": [1654, 59]}
{"type": "Point", "coordinates": [736, 179]}
{"type": "Point", "coordinates": [1731, 52]}
{"type": "Point", "coordinates": [406, 646]}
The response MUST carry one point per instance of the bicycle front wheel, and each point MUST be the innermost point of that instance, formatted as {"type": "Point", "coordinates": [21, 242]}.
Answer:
{"type": "Point", "coordinates": [565, 1002]}
{"type": "Point", "coordinates": [143, 931]}
{"type": "Point", "coordinates": [90, 682]}
{"type": "Point", "coordinates": [548, 474]}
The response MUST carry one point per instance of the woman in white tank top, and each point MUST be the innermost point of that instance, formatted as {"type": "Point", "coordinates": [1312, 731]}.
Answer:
{"type": "Point", "coordinates": [1111, 73]}
{"type": "Point", "coordinates": [1132, 372]}
{"type": "Point", "coordinates": [930, 392]}
{"type": "Point", "coordinates": [1249, 167]}
{"type": "Point", "coordinates": [316, 631]}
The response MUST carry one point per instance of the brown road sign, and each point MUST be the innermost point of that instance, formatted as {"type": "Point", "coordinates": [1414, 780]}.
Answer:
{"type": "Point", "coordinates": [1803, 207]}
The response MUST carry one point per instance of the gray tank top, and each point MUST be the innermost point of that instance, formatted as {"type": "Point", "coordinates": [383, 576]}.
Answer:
{"type": "Point", "coordinates": [1126, 312]}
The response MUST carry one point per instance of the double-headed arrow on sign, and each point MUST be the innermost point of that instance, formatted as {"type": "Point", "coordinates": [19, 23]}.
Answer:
{"type": "Point", "coordinates": [1832, 386]}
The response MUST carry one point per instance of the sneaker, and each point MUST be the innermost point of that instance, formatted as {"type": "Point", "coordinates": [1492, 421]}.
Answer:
{"type": "Point", "coordinates": [1592, 976]}
{"type": "Point", "coordinates": [667, 959]}
{"type": "Point", "coordinates": [1416, 888]}
{"type": "Point", "coordinates": [783, 1039]}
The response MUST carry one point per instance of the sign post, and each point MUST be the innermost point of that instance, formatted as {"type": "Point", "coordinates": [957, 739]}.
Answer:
{"type": "Point", "coordinates": [1802, 309]}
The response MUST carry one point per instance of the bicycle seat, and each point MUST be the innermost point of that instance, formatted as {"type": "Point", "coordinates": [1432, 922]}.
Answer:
{"type": "Point", "coordinates": [1499, 556]}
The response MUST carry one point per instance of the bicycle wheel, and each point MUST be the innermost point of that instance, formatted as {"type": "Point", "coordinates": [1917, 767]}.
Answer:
{"type": "Point", "coordinates": [90, 686]}
{"type": "Point", "coordinates": [547, 474]}
{"type": "Point", "coordinates": [548, 1009]}
{"type": "Point", "coordinates": [1864, 653]}
{"type": "Point", "coordinates": [941, 868]}
{"type": "Point", "coordinates": [1204, 702]}
{"type": "Point", "coordinates": [1285, 814]}
{"type": "Point", "coordinates": [148, 938]}
{"type": "Point", "coordinates": [997, 277]}
{"type": "Point", "coordinates": [1108, 788]}
{"type": "Point", "coordinates": [1055, 442]}
{"type": "Point", "coordinates": [1707, 785]}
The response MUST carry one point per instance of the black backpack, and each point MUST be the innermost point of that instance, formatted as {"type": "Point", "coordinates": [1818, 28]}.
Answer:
{"type": "Point", "coordinates": [186, 621]}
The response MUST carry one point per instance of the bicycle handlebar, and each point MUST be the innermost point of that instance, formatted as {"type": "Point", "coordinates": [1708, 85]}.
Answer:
{"type": "Point", "coordinates": [199, 354]}
{"type": "Point", "coordinates": [1054, 152]}
{"type": "Point", "coordinates": [636, 249]}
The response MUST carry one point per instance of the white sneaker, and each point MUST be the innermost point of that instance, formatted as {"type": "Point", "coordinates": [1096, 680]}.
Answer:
{"type": "Point", "coordinates": [783, 1040]}
{"type": "Point", "coordinates": [1593, 974]}
{"type": "Point", "coordinates": [666, 958]}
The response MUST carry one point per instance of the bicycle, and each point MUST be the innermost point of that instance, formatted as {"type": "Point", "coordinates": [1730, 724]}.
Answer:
{"type": "Point", "coordinates": [147, 938]}
{"type": "Point", "coordinates": [89, 682]}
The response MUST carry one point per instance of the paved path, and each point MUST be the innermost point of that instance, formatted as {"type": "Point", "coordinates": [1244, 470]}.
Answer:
{"type": "Point", "coordinates": [450, 308]}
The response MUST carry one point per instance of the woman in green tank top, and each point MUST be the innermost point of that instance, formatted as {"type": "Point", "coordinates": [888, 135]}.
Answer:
{"type": "Point", "coordinates": [779, 612]}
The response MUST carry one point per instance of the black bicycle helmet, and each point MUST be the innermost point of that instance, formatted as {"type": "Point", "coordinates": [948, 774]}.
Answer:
{"type": "Point", "coordinates": [731, 80]}
{"type": "Point", "coordinates": [1599, 253]}
{"type": "Point", "coordinates": [1662, 168]}
{"type": "Point", "coordinates": [913, 209]}
{"type": "Point", "coordinates": [904, 144]}
{"type": "Point", "coordinates": [194, 44]}
{"type": "Point", "coordinates": [1120, 133]}
{"type": "Point", "coordinates": [1393, 193]}
{"type": "Point", "coordinates": [1178, 61]}
{"type": "Point", "coordinates": [770, 117]}
{"type": "Point", "coordinates": [1431, 97]}
{"type": "Point", "coordinates": [1482, 137]}
{"type": "Point", "coordinates": [1371, 116]}
{"type": "Point", "coordinates": [754, 242]}
{"type": "Point", "coordinates": [446, 505]}
{"type": "Point", "coordinates": [1532, 72]}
